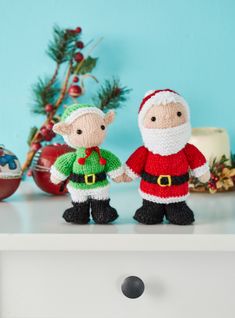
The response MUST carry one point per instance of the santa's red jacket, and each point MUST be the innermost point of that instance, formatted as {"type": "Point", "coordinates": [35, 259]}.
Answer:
{"type": "Point", "coordinates": [189, 158]}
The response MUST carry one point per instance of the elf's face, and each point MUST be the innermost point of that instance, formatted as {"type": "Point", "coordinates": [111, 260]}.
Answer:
{"type": "Point", "coordinates": [87, 131]}
{"type": "Point", "coordinates": [165, 116]}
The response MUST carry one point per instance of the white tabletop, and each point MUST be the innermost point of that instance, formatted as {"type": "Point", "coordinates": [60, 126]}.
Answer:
{"type": "Point", "coordinates": [31, 220]}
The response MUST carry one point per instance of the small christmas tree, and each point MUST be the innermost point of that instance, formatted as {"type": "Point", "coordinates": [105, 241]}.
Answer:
{"type": "Point", "coordinates": [49, 93]}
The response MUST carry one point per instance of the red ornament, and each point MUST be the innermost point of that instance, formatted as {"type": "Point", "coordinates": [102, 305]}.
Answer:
{"type": "Point", "coordinates": [78, 30]}
{"type": "Point", "coordinates": [49, 108]}
{"type": "Point", "coordinates": [75, 79]}
{"type": "Point", "coordinates": [80, 45]}
{"type": "Point", "coordinates": [74, 91]}
{"type": "Point", "coordinates": [36, 146]}
{"type": "Point", "coordinates": [42, 164]}
{"type": "Point", "coordinates": [78, 57]}
{"type": "Point", "coordinates": [10, 173]}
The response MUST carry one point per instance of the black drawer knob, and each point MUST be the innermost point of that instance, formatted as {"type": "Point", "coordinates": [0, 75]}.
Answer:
{"type": "Point", "coordinates": [132, 287]}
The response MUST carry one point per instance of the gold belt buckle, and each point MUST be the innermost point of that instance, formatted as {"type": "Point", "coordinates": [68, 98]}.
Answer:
{"type": "Point", "coordinates": [87, 176]}
{"type": "Point", "coordinates": [159, 179]}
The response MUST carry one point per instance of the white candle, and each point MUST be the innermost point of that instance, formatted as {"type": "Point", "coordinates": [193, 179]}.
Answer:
{"type": "Point", "coordinates": [212, 142]}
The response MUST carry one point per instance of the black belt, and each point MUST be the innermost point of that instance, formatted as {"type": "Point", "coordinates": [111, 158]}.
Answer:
{"type": "Point", "coordinates": [165, 180]}
{"type": "Point", "coordinates": [88, 178]}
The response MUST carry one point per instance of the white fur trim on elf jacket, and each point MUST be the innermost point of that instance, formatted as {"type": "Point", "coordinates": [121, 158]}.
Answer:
{"type": "Point", "coordinates": [78, 195]}
{"type": "Point", "coordinates": [116, 173]}
{"type": "Point", "coordinates": [83, 111]}
{"type": "Point", "coordinates": [198, 172]}
{"type": "Point", "coordinates": [58, 175]}
{"type": "Point", "coordinates": [167, 200]}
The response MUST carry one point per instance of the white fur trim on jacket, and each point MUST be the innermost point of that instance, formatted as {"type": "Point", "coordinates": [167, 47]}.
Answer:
{"type": "Point", "coordinates": [130, 173]}
{"type": "Point", "coordinates": [156, 199]}
{"type": "Point", "coordinates": [82, 111]}
{"type": "Point", "coordinates": [78, 195]}
{"type": "Point", "coordinates": [116, 173]}
{"type": "Point", "coordinates": [198, 172]}
{"type": "Point", "coordinates": [58, 175]}
{"type": "Point", "coordinates": [163, 98]}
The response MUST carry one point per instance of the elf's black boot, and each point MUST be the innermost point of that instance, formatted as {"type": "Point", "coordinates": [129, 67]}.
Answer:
{"type": "Point", "coordinates": [79, 213]}
{"type": "Point", "coordinates": [179, 213]}
{"type": "Point", "coordinates": [102, 212]}
{"type": "Point", "coordinates": [150, 213]}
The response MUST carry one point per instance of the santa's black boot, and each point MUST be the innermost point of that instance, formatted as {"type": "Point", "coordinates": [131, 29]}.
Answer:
{"type": "Point", "coordinates": [79, 213]}
{"type": "Point", "coordinates": [179, 213]}
{"type": "Point", "coordinates": [150, 213]}
{"type": "Point", "coordinates": [102, 212]}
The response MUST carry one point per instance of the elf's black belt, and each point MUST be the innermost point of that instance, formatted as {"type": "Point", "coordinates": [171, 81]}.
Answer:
{"type": "Point", "coordinates": [165, 180]}
{"type": "Point", "coordinates": [88, 178]}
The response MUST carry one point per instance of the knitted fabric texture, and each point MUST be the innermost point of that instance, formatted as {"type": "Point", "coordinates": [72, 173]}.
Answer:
{"type": "Point", "coordinates": [79, 213]}
{"type": "Point", "coordinates": [179, 213]}
{"type": "Point", "coordinates": [150, 213]}
{"type": "Point", "coordinates": [74, 111]}
{"type": "Point", "coordinates": [172, 165]}
{"type": "Point", "coordinates": [102, 212]}
{"type": "Point", "coordinates": [68, 163]}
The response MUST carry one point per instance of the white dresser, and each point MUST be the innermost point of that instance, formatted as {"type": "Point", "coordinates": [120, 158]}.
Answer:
{"type": "Point", "coordinates": [50, 269]}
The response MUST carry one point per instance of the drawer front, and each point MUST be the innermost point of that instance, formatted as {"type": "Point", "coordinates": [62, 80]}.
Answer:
{"type": "Point", "coordinates": [88, 285]}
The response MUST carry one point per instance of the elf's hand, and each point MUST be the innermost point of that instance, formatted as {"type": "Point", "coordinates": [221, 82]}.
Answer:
{"type": "Point", "coordinates": [126, 178]}
{"type": "Point", "coordinates": [55, 180]}
{"type": "Point", "coordinates": [118, 179]}
{"type": "Point", "coordinates": [205, 177]}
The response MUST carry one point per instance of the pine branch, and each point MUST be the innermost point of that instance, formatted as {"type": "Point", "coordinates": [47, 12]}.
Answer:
{"type": "Point", "coordinates": [111, 95]}
{"type": "Point", "coordinates": [43, 95]}
{"type": "Point", "coordinates": [88, 65]}
{"type": "Point", "coordinates": [61, 47]}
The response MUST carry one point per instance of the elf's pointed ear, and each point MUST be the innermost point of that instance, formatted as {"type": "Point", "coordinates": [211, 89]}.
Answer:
{"type": "Point", "coordinates": [109, 117]}
{"type": "Point", "coordinates": [62, 129]}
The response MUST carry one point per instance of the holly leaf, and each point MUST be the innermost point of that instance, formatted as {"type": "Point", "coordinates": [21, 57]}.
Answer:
{"type": "Point", "coordinates": [88, 65]}
{"type": "Point", "coordinates": [32, 133]}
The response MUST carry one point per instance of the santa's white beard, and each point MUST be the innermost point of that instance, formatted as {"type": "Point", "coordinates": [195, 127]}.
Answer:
{"type": "Point", "coordinates": [166, 141]}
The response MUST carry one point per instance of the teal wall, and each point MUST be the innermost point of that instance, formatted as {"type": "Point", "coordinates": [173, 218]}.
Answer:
{"type": "Point", "coordinates": [188, 46]}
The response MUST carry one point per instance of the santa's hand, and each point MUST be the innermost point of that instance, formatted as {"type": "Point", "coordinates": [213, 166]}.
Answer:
{"type": "Point", "coordinates": [126, 178]}
{"type": "Point", "coordinates": [205, 177]}
{"type": "Point", "coordinates": [118, 179]}
{"type": "Point", "coordinates": [55, 180]}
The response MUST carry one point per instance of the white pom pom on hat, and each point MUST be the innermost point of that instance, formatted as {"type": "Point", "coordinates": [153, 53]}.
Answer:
{"type": "Point", "coordinates": [160, 97]}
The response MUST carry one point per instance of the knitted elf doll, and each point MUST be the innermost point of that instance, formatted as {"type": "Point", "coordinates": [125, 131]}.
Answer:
{"type": "Point", "coordinates": [163, 163]}
{"type": "Point", "coordinates": [83, 127]}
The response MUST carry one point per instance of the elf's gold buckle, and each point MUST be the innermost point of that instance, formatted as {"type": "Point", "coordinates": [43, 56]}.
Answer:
{"type": "Point", "coordinates": [159, 179]}
{"type": "Point", "coordinates": [87, 176]}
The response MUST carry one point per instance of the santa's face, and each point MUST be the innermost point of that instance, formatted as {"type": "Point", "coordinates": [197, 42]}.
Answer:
{"type": "Point", "coordinates": [165, 116]}
{"type": "Point", "coordinates": [166, 128]}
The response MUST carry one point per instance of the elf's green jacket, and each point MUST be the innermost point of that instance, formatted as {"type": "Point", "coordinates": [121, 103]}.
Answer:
{"type": "Point", "coordinates": [68, 163]}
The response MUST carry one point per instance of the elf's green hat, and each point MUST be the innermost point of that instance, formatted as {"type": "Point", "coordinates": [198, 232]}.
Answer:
{"type": "Point", "coordinates": [77, 110]}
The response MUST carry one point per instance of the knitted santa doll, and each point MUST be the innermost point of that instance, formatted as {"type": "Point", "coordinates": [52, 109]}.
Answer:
{"type": "Point", "coordinates": [83, 127]}
{"type": "Point", "coordinates": [164, 161]}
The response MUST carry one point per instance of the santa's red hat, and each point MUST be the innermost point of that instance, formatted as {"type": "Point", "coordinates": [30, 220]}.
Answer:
{"type": "Point", "coordinates": [160, 97]}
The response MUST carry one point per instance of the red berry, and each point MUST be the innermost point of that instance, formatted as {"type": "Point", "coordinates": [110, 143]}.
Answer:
{"type": "Point", "coordinates": [75, 79]}
{"type": "Point", "coordinates": [49, 126]}
{"type": "Point", "coordinates": [44, 131]}
{"type": "Point", "coordinates": [80, 45]}
{"type": "Point", "coordinates": [78, 57]}
{"type": "Point", "coordinates": [74, 91]}
{"type": "Point", "coordinates": [49, 108]}
{"type": "Point", "coordinates": [36, 146]}
{"type": "Point", "coordinates": [78, 30]}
